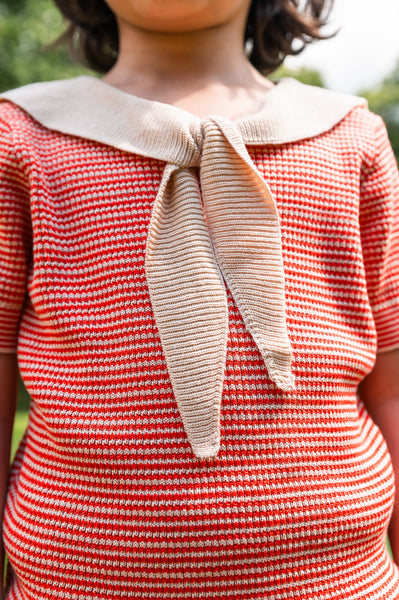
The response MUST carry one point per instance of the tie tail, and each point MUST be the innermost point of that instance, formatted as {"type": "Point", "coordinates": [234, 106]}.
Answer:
{"type": "Point", "coordinates": [278, 366]}
{"type": "Point", "coordinates": [206, 448]}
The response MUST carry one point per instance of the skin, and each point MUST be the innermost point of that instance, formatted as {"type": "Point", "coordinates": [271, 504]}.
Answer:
{"type": "Point", "coordinates": [189, 53]}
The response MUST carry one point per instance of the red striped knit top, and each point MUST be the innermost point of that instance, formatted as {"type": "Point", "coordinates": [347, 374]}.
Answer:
{"type": "Point", "coordinates": [194, 305]}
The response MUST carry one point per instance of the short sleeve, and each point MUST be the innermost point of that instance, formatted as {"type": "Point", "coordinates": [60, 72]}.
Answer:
{"type": "Point", "coordinates": [379, 225]}
{"type": "Point", "coordinates": [15, 241]}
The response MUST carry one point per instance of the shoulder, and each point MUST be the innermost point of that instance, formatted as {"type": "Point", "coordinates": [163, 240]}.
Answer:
{"type": "Point", "coordinates": [12, 118]}
{"type": "Point", "coordinates": [36, 100]}
{"type": "Point", "coordinates": [15, 136]}
{"type": "Point", "coordinates": [24, 140]}
{"type": "Point", "coordinates": [294, 112]}
{"type": "Point", "coordinates": [17, 119]}
{"type": "Point", "coordinates": [15, 133]}
{"type": "Point", "coordinates": [24, 113]}
{"type": "Point", "coordinates": [44, 98]}
{"type": "Point", "coordinates": [341, 114]}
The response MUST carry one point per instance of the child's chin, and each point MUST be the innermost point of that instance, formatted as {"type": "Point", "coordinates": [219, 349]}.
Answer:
{"type": "Point", "coordinates": [176, 16]}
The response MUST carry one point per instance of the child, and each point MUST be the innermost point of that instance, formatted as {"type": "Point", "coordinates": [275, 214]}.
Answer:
{"type": "Point", "coordinates": [200, 276]}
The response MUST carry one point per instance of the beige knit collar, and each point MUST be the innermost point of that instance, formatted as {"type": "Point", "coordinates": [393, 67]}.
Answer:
{"type": "Point", "coordinates": [227, 231]}
{"type": "Point", "coordinates": [87, 107]}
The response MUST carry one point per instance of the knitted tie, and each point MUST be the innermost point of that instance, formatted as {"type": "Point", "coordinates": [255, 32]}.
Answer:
{"type": "Point", "coordinates": [192, 245]}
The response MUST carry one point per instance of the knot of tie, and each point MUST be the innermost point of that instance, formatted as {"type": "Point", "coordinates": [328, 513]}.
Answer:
{"type": "Point", "coordinates": [195, 244]}
{"type": "Point", "coordinates": [198, 132]}
{"type": "Point", "coordinates": [201, 131]}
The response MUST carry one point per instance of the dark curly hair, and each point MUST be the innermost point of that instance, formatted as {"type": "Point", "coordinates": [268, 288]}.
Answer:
{"type": "Point", "coordinates": [275, 28]}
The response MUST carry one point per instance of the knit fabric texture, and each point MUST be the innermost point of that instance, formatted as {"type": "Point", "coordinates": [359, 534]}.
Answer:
{"type": "Point", "coordinates": [195, 244]}
{"type": "Point", "coordinates": [106, 497]}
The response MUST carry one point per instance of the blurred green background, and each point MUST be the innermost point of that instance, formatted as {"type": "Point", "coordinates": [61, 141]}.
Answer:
{"type": "Point", "coordinates": [28, 29]}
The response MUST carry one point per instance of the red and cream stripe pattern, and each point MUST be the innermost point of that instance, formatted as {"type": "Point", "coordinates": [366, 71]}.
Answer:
{"type": "Point", "coordinates": [106, 498]}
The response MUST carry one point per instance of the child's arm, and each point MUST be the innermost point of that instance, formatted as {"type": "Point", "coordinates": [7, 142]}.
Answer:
{"type": "Point", "coordinates": [8, 396]}
{"type": "Point", "coordinates": [380, 394]}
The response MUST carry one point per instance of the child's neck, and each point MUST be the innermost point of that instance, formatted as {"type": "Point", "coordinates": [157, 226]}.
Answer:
{"type": "Point", "coordinates": [204, 72]}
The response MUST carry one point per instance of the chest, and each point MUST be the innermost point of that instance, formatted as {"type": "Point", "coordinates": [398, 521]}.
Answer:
{"type": "Point", "coordinates": [91, 213]}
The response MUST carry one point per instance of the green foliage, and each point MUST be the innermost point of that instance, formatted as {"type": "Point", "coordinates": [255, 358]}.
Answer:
{"type": "Point", "coordinates": [23, 397]}
{"type": "Point", "coordinates": [20, 424]}
{"type": "Point", "coordinates": [303, 74]}
{"type": "Point", "coordinates": [27, 29]}
{"type": "Point", "coordinates": [393, 78]}
{"type": "Point", "coordinates": [384, 100]}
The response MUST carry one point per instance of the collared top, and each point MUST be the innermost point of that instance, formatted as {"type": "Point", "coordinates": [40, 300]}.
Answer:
{"type": "Point", "coordinates": [214, 223]}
